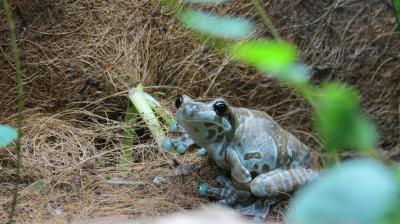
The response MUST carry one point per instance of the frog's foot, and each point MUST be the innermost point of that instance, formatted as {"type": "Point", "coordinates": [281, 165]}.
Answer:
{"type": "Point", "coordinates": [202, 152]}
{"type": "Point", "coordinates": [181, 143]}
{"type": "Point", "coordinates": [225, 193]}
{"type": "Point", "coordinates": [259, 209]}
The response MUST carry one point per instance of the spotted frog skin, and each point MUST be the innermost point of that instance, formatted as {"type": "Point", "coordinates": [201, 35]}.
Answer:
{"type": "Point", "coordinates": [264, 160]}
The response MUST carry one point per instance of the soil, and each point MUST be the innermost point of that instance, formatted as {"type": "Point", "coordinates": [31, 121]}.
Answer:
{"type": "Point", "coordinates": [80, 57]}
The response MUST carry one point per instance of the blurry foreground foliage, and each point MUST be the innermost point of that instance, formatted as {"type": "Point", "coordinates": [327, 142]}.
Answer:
{"type": "Point", "coordinates": [359, 191]}
{"type": "Point", "coordinates": [7, 135]}
{"type": "Point", "coordinates": [396, 6]}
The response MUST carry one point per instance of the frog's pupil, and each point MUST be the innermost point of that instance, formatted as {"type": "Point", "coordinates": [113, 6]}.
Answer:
{"type": "Point", "coordinates": [178, 102]}
{"type": "Point", "coordinates": [220, 108]}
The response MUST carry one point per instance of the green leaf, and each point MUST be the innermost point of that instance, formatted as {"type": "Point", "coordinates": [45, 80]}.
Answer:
{"type": "Point", "coordinates": [297, 74]}
{"type": "Point", "coordinates": [359, 192]}
{"type": "Point", "coordinates": [140, 102]}
{"type": "Point", "coordinates": [129, 135]}
{"type": "Point", "coordinates": [206, 2]}
{"type": "Point", "coordinates": [7, 135]}
{"type": "Point", "coordinates": [339, 121]}
{"type": "Point", "coordinates": [396, 6]}
{"type": "Point", "coordinates": [217, 26]}
{"type": "Point", "coordinates": [276, 58]}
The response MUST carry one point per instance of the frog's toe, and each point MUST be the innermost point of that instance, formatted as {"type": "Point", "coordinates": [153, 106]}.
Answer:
{"type": "Point", "coordinates": [167, 144]}
{"type": "Point", "coordinates": [202, 152]}
{"type": "Point", "coordinates": [203, 189]}
{"type": "Point", "coordinates": [181, 144]}
{"type": "Point", "coordinates": [181, 148]}
{"type": "Point", "coordinates": [173, 127]}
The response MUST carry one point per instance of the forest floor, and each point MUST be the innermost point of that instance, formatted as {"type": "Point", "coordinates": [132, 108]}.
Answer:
{"type": "Point", "coordinates": [80, 57]}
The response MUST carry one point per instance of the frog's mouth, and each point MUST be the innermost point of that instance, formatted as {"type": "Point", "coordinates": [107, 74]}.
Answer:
{"type": "Point", "coordinates": [208, 118]}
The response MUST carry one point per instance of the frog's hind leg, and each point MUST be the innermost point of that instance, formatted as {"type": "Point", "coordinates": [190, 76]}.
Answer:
{"type": "Point", "coordinates": [276, 182]}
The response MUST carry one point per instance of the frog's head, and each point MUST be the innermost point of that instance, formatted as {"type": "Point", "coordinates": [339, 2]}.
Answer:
{"type": "Point", "coordinates": [206, 123]}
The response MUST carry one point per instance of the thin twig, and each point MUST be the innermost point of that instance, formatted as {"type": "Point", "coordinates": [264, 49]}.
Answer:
{"type": "Point", "coordinates": [20, 106]}
{"type": "Point", "coordinates": [264, 16]}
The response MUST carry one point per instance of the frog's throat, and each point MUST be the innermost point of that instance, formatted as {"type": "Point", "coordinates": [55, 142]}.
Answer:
{"type": "Point", "coordinates": [206, 132]}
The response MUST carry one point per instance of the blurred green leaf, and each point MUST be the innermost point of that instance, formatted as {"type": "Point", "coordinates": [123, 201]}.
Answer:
{"type": "Point", "coordinates": [357, 192]}
{"type": "Point", "coordinates": [396, 170]}
{"type": "Point", "coordinates": [206, 2]}
{"type": "Point", "coordinates": [273, 57]}
{"type": "Point", "coordinates": [339, 121]}
{"type": "Point", "coordinates": [217, 26]}
{"type": "Point", "coordinates": [396, 6]}
{"type": "Point", "coordinates": [394, 215]}
{"type": "Point", "coordinates": [7, 135]}
{"type": "Point", "coordinates": [297, 73]}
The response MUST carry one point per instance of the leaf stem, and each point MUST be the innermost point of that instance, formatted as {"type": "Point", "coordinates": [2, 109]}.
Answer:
{"type": "Point", "coordinates": [264, 16]}
{"type": "Point", "coordinates": [20, 106]}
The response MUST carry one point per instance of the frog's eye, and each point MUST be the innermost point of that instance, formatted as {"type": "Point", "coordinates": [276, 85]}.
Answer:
{"type": "Point", "coordinates": [220, 108]}
{"type": "Point", "coordinates": [178, 102]}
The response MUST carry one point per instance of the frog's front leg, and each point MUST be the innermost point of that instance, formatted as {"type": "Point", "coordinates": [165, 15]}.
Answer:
{"type": "Point", "coordinates": [238, 171]}
{"type": "Point", "coordinates": [276, 182]}
{"type": "Point", "coordinates": [181, 143]}
{"type": "Point", "coordinates": [227, 194]}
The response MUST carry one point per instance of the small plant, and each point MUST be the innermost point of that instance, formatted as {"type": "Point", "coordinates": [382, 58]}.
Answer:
{"type": "Point", "coordinates": [396, 6]}
{"type": "Point", "coordinates": [148, 108]}
{"type": "Point", "coordinates": [7, 134]}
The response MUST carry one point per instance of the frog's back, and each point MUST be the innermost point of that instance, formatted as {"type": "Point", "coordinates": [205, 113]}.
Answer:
{"type": "Point", "coordinates": [243, 114]}
{"type": "Point", "coordinates": [257, 133]}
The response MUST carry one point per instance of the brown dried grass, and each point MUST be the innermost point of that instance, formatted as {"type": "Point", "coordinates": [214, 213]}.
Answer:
{"type": "Point", "coordinates": [81, 57]}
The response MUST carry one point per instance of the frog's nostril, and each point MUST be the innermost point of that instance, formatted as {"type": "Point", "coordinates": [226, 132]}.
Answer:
{"type": "Point", "coordinates": [189, 110]}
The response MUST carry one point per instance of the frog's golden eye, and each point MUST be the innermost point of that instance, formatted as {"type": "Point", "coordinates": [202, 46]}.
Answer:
{"type": "Point", "coordinates": [220, 108]}
{"type": "Point", "coordinates": [178, 102]}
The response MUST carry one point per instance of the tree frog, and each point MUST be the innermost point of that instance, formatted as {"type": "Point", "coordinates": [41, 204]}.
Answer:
{"type": "Point", "coordinates": [263, 159]}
